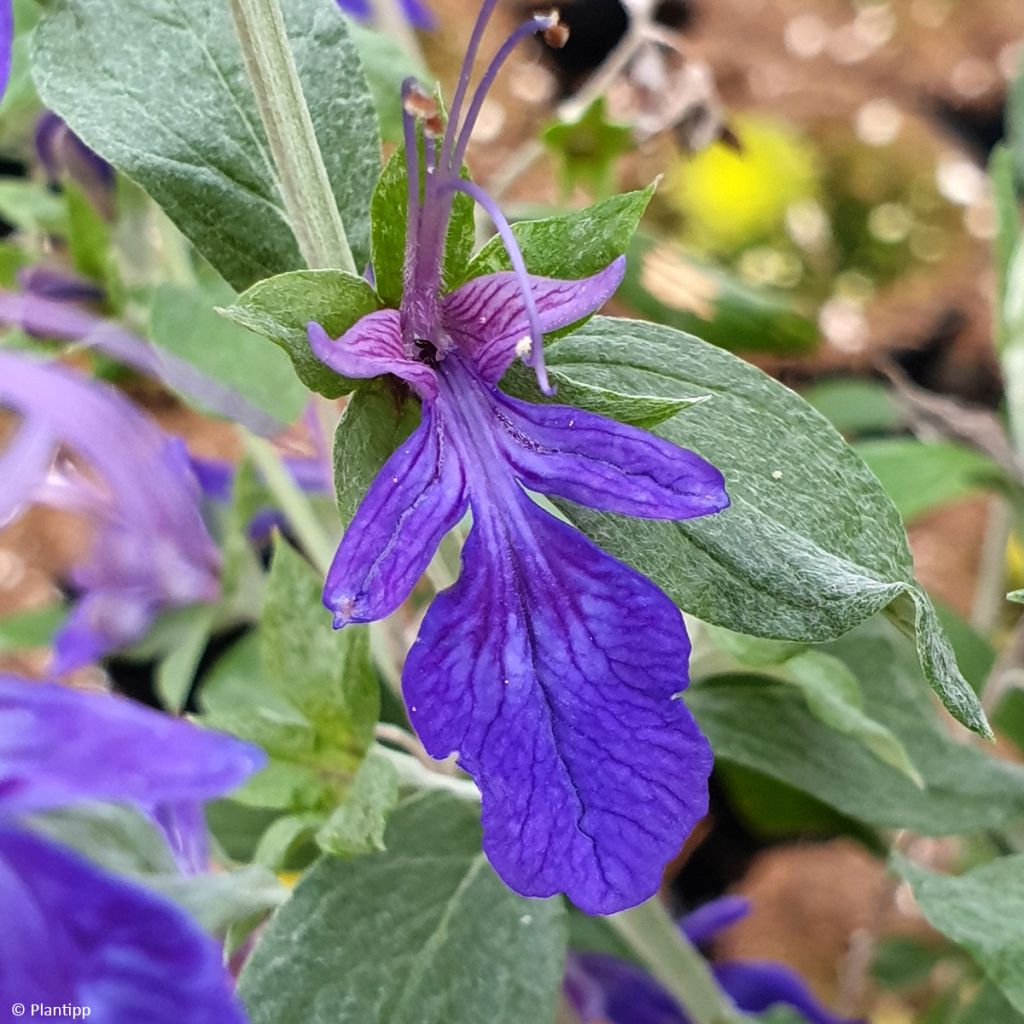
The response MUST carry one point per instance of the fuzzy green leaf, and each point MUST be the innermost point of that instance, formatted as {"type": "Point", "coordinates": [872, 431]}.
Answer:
{"type": "Point", "coordinates": [424, 933]}
{"type": "Point", "coordinates": [171, 107]}
{"type": "Point", "coordinates": [810, 546]}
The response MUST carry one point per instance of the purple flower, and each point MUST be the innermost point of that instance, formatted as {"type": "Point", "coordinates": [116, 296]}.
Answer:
{"type": "Point", "coordinates": [605, 989]}
{"type": "Point", "coordinates": [416, 12]}
{"type": "Point", "coordinates": [550, 667]}
{"type": "Point", "coordinates": [63, 154]}
{"type": "Point", "coordinates": [6, 41]}
{"type": "Point", "coordinates": [70, 932]}
{"type": "Point", "coordinates": [83, 446]}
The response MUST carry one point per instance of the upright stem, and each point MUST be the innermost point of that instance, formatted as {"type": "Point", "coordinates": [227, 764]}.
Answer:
{"type": "Point", "coordinates": [294, 503]}
{"type": "Point", "coordinates": [305, 187]}
{"type": "Point", "coordinates": [668, 955]}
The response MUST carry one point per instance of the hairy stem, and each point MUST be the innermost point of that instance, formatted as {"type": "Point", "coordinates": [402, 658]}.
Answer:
{"type": "Point", "coordinates": [672, 959]}
{"type": "Point", "coordinates": [305, 187]}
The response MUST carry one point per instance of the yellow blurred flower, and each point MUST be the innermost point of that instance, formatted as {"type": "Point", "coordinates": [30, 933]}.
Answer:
{"type": "Point", "coordinates": [734, 199]}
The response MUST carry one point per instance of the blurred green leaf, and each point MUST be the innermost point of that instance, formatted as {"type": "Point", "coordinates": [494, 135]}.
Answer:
{"type": "Point", "coordinates": [280, 308]}
{"type": "Point", "coordinates": [990, 1006]}
{"type": "Point", "coordinates": [587, 149]}
{"type": "Point", "coordinates": [834, 696]}
{"type": "Point", "coordinates": [665, 284]}
{"type": "Point", "coordinates": [387, 66]}
{"type": "Point", "coordinates": [357, 826]}
{"type": "Point", "coordinates": [902, 962]}
{"type": "Point", "coordinates": [981, 910]}
{"type": "Point", "coordinates": [810, 546]}
{"type": "Point", "coordinates": [920, 476]}
{"type": "Point", "coordinates": [304, 692]}
{"type": "Point", "coordinates": [26, 630]}
{"type": "Point", "coordinates": [183, 321]}
{"type": "Point", "coordinates": [765, 725]}
{"type": "Point", "coordinates": [425, 933]}
{"type": "Point", "coordinates": [856, 406]}
{"type": "Point", "coordinates": [31, 206]}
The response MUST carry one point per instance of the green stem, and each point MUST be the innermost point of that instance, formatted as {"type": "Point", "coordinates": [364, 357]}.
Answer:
{"type": "Point", "coordinates": [672, 959]}
{"type": "Point", "coordinates": [294, 503]}
{"type": "Point", "coordinates": [305, 187]}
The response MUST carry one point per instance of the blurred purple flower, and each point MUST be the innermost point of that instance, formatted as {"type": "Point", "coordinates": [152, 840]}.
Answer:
{"type": "Point", "coordinates": [64, 155]}
{"type": "Point", "coordinates": [608, 990]}
{"type": "Point", "coordinates": [151, 550]}
{"type": "Point", "coordinates": [48, 309]}
{"type": "Point", "coordinates": [415, 11]}
{"type": "Point", "coordinates": [70, 932]}
{"type": "Point", "coordinates": [6, 42]}
{"type": "Point", "coordinates": [550, 667]}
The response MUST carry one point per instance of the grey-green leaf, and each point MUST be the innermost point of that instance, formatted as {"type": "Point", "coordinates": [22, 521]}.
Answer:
{"type": "Point", "coordinates": [357, 826]}
{"type": "Point", "coordinates": [377, 419]}
{"type": "Point", "coordinates": [810, 546]}
{"type": "Point", "coordinates": [281, 308]}
{"type": "Point", "coordinates": [572, 245]}
{"type": "Point", "coordinates": [425, 933]}
{"type": "Point", "coordinates": [170, 106]}
{"type": "Point", "coordinates": [183, 321]}
{"type": "Point", "coordinates": [982, 911]}
{"type": "Point", "coordinates": [767, 726]}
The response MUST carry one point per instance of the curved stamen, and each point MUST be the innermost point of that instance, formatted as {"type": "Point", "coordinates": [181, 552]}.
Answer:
{"type": "Point", "coordinates": [486, 10]}
{"type": "Point", "coordinates": [537, 24]}
{"type": "Point", "coordinates": [535, 357]}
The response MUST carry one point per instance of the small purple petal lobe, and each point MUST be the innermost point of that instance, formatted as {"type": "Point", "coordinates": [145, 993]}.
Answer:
{"type": "Point", "coordinates": [417, 497]}
{"type": "Point", "coordinates": [704, 923]}
{"type": "Point", "coordinates": [6, 41]}
{"type": "Point", "coordinates": [59, 746]}
{"type": "Point", "coordinates": [357, 8]}
{"type": "Point", "coordinates": [603, 464]}
{"type": "Point", "coordinates": [372, 348]}
{"type": "Point", "coordinates": [606, 990]}
{"type": "Point", "coordinates": [73, 934]}
{"type": "Point", "coordinates": [553, 669]}
{"type": "Point", "coordinates": [756, 986]}
{"type": "Point", "coordinates": [417, 14]}
{"type": "Point", "coordinates": [487, 316]}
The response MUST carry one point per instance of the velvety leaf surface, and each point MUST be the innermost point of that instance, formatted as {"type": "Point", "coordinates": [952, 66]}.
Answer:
{"type": "Point", "coordinates": [422, 934]}
{"type": "Point", "coordinates": [307, 694]}
{"type": "Point", "coordinates": [981, 910]}
{"type": "Point", "coordinates": [811, 544]}
{"type": "Point", "coordinates": [171, 107]}
{"type": "Point", "coordinates": [767, 726]}
{"type": "Point", "coordinates": [376, 420]}
{"type": "Point", "coordinates": [572, 245]}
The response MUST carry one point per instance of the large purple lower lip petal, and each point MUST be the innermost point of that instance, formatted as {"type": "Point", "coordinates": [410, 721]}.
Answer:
{"type": "Point", "coordinates": [73, 934]}
{"type": "Point", "coordinates": [552, 670]}
{"type": "Point", "coordinates": [414, 501]}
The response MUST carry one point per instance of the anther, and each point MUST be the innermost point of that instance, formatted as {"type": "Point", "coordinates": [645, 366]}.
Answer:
{"type": "Point", "coordinates": [433, 126]}
{"type": "Point", "coordinates": [557, 34]}
{"type": "Point", "coordinates": [418, 103]}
